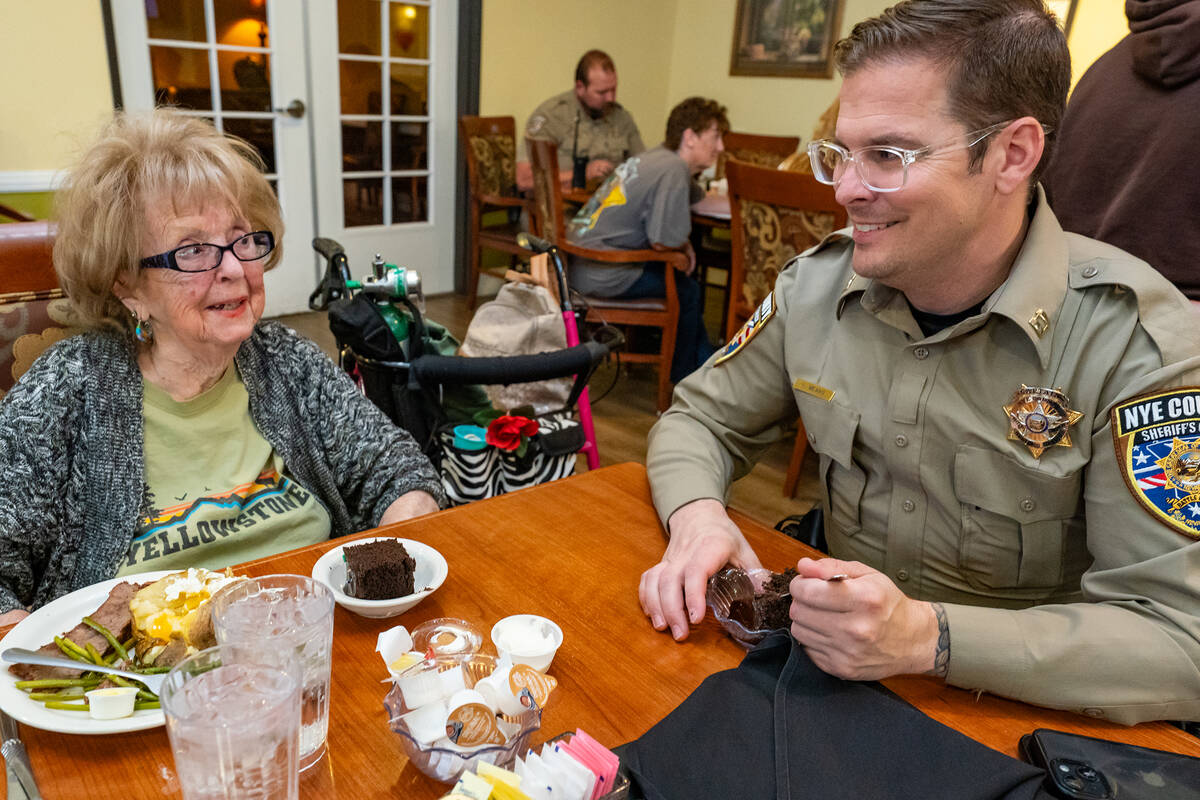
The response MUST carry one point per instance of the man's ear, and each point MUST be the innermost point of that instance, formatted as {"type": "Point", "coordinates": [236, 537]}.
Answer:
{"type": "Point", "coordinates": [1018, 150]}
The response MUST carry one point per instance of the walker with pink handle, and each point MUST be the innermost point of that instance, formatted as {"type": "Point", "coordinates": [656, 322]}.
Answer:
{"type": "Point", "coordinates": [539, 245]}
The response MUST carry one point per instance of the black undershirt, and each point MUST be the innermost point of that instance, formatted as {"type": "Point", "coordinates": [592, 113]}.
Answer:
{"type": "Point", "coordinates": [932, 323]}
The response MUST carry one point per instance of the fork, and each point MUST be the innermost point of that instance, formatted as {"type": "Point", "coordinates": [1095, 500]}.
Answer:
{"type": "Point", "coordinates": [19, 655]}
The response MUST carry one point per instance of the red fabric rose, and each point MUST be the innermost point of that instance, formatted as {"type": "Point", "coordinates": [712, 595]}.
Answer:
{"type": "Point", "coordinates": [507, 433]}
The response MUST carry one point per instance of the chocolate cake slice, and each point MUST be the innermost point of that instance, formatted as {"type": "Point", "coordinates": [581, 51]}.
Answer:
{"type": "Point", "coordinates": [769, 608]}
{"type": "Point", "coordinates": [379, 570]}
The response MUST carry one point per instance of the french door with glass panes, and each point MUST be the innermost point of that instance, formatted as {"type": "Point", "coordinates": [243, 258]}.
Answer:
{"type": "Point", "coordinates": [350, 102]}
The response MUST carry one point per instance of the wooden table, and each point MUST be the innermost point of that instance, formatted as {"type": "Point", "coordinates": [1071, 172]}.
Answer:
{"type": "Point", "coordinates": [571, 551]}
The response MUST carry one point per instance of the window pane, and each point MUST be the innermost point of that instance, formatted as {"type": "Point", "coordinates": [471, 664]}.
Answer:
{"type": "Point", "coordinates": [410, 148]}
{"type": "Point", "coordinates": [410, 31]}
{"type": "Point", "coordinates": [410, 93]}
{"type": "Point", "coordinates": [175, 19]}
{"type": "Point", "coordinates": [360, 87]}
{"type": "Point", "coordinates": [181, 77]}
{"type": "Point", "coordinates": [245, 81]}
{"type": "Point", "coordinates": [258, 132]}
{"type": "Point", "coordinates": [239, 22]}
{"type": "Point", "coordinates": [362, 146]}
{"type": "Point", "coordinates": [410, 202]}
{"type": "Point", "coordinates": [358, 27]}
{"type": "Point", "coordinates": [363, 201]}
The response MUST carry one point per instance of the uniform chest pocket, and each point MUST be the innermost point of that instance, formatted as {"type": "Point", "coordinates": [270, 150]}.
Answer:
{"type": "Point", "coordinates": [831, 430]}
{"type": "Point", "coordinates": [1021, 528]}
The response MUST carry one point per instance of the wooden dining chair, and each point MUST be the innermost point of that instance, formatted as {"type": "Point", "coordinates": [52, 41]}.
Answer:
{"type": "Point", "coordinates": [774, 215]}
{"type": "Point", "coordinates": [34, 312]}
{"type": "Point", "coordinates": [754, 148]}
{"type": "Point", "coordinates": [26, 257]}
{"type": "Point", "coordinates": [662, 313]}
{"type": "Point", "coordinates": [490, 145]}
{"type": "Point", "coordinates": [713, 249]}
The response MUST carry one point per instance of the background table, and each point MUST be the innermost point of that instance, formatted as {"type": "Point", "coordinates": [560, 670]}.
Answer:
{"type": "Point", "coordinates": [571, 551]}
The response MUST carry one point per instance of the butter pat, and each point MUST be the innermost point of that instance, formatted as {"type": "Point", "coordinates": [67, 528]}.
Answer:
{"type": "Point", "coordinates": [112, 703]}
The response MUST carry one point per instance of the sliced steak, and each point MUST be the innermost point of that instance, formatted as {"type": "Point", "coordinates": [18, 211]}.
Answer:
{"type": "Point", "coordinates": [112, 614]}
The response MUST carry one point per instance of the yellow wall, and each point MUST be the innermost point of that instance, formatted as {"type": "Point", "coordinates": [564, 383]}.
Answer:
{"type": "Point", "coordinates": [1098, 25]}
{"type": "Point", "coordinates": [676, 48]}
{"type": "Point", "coordinates": [778, 106]}
{"type": "Point", "coordinates": [530, 48]}
{"type": "Point", "coordinates": [523, 65]}
{"type": "Point", "coordinates": [55, 91]}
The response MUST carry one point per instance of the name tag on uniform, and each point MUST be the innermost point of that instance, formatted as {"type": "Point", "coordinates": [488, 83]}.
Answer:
{"type": "Point", "coordinates": [761, 316]}
{"type": "Point", "coordinates": [815, 389]}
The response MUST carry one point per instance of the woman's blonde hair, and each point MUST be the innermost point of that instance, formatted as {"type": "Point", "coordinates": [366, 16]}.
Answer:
{"type": "Point", "coordinates": [157, 157]}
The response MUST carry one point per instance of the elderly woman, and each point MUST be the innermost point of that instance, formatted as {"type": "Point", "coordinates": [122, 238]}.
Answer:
{"type": "Point", "coordinates": [180, 430]}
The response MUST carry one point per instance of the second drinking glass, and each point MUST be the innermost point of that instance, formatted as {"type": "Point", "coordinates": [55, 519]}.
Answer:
{"type": "Point", "coordinates": [282, 616]}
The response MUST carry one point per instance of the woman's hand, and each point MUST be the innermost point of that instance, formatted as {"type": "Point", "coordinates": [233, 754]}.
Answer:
{"type": "Point", "coordinates": [13, 617]}
{"type": "Point", "coordinates": [411, 504]}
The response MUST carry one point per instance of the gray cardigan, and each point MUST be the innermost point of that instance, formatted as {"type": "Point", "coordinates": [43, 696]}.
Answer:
{"type": "Point", "coordinates": [72, 487]}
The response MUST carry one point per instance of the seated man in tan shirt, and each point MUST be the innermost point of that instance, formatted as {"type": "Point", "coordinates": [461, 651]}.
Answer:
{"type": "Point", "coordinates": [1006, 416]}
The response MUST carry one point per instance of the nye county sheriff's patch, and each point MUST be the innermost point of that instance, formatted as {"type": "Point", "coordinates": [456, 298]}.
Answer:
{"type": "Point", "coordinates": [758, 319]}
{"type": "Point", "coordinates": [1158, 449]}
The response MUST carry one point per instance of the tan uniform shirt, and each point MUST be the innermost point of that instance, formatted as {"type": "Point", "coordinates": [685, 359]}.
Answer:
{"type": "Point", "coordinates": [613, 137]}
{"type": "Point", "coordinates": [1060, 589]}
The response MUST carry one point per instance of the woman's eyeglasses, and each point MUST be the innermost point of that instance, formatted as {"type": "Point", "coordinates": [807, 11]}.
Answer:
{"type": "Point", "coordinates": [204, 257]}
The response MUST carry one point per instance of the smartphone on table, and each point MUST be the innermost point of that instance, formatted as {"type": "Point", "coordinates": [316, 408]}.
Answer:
{"type": "Point", "coordinates": [1085, 768]}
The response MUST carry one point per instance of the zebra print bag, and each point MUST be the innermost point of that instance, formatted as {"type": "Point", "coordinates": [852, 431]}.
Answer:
{"type": "Point", "coordinates": [475, 474]}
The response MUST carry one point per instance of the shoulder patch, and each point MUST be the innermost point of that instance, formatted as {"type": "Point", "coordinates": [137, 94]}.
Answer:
{"type": "Point", "coordinates": [1157, 436]}
{"type": "Point", "coordinates": [536, 123]}
{"type": "Point", "coordinates": [761, 316]}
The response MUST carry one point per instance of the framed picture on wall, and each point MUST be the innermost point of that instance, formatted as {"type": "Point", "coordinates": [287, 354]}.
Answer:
{"type": "Point", "coordinates": [785, 38]}
{"type": "Point", "coordinates": [1065, 11]}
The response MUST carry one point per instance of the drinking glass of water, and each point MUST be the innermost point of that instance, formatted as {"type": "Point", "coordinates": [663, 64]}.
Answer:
{"type": "Point", "coordinates": [234, 724]}
{"type": "Point", "coordinates": [280, 617]}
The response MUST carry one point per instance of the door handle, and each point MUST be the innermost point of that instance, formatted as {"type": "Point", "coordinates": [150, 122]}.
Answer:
{"type": "Point", "coordinates": [296, 109]}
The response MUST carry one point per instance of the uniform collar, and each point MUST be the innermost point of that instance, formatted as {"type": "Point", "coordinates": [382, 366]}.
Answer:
{"type": "Point", "coordinates": [1031, 296]}
{"type": "Point", "coordinates": [1033, 293]}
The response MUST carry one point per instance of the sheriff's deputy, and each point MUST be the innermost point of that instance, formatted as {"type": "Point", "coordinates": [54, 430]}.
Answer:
{"type": "Point", "coordinates": [1006, 416]}
{"type": "Point", "coordinates": [586, 123]}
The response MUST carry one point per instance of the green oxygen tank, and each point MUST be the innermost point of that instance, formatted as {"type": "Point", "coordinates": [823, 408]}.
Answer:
{"type": "Point", "coordinates": [389, 283]}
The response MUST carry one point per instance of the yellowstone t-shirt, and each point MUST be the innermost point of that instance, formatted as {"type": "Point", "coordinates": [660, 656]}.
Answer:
{"type": "Point", "coordinates": [219, 493]}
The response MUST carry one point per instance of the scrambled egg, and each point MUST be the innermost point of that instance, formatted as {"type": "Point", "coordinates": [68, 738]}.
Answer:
{"type": "Point", "coordinates": [171, 617]}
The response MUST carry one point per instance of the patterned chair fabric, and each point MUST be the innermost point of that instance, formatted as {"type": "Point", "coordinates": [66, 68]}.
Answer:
{"type": "Point", "coordinates": [29, 323]}
{"type": "Point", "coordinates": [496, 164]}
{"type": "Point", "coordinates": [771, 236]}
{"type": "Point", "coordinates": [774, 215]}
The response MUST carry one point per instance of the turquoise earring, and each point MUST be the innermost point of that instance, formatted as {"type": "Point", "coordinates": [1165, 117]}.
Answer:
{"type": "Point", "coordinates": [142, 331]}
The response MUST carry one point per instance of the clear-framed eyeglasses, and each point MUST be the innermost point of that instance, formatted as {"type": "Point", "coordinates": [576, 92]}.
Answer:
{"type": "Point", "coordinates": [205, 256]}
{"type": "Point", "coordinates": [883, 168]}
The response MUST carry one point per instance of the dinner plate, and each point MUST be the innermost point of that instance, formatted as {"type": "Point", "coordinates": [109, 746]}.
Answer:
{"type": "Point", "coordinates": [40, 627]}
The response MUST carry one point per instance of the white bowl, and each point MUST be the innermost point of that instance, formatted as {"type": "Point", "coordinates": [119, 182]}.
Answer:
{"type": "Point", "coordinates": [531, 624]}
{"type": "Point", "coordinates": [430, 573]}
